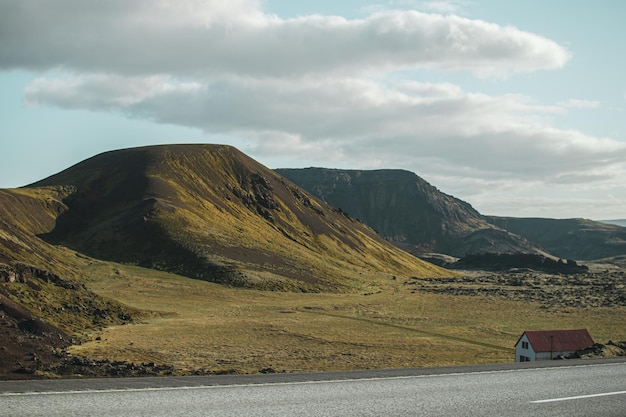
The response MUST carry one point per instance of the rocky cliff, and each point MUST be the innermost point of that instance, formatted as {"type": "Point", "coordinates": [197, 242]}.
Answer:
{"type": "Point", "coordinates": [409, 211]}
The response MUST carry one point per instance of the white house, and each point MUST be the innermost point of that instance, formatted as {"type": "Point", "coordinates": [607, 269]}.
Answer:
{"type": "Point", "coordinates": [541, 345]}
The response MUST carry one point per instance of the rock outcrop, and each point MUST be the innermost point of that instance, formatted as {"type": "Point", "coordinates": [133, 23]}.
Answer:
{"type": "Point", "coordinates": [23, 273]}
{"type": "Point", "coordinates": [509, 262]}
{"type": "Point", "coordinates": [598, 350]}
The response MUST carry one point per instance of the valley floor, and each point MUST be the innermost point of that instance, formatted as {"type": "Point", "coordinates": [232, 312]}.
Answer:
{"type": "Point", "coordinates": [195, 327]}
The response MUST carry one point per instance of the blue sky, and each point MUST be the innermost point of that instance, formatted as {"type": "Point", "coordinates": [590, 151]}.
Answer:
{"type": "Point", "coordinates": [518, 108]}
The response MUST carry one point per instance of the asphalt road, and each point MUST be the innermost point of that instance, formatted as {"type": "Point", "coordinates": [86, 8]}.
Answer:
{"type": "Point", "coordinates": [564, 388]}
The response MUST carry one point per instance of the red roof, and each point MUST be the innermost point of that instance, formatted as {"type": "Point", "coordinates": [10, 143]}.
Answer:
{"type": "Point", "coordinates": [559, 340]}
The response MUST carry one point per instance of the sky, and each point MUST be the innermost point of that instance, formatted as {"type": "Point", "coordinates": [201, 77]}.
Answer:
{"type": "Point", "coordinates": [517, 107]}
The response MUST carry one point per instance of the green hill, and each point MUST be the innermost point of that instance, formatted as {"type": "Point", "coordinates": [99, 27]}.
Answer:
{"type": "Point", "coordinates": [210, 212]}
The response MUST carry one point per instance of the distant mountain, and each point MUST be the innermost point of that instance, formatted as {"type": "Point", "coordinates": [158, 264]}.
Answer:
{"type": "Point", "coordinates": [408, 211]}
{"type": "Point", "coordinates": [618, 222]}
{"type": "Point", "coordinates": [579, 239]}
{"type": "Point", "coordinates": [209, 212]}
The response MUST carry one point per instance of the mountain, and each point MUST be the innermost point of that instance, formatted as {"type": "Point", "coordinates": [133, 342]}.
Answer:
{"type": "Point", "coordinates": [408, 211]}
{"type": "Point", "coordinates": [203, 211]}
{"type": "Point", "coordinates": [211, 212]}
{"type": "Point", "coordinates": [618, 222]}
{"type": "Point", "coordinates": [579, 239]}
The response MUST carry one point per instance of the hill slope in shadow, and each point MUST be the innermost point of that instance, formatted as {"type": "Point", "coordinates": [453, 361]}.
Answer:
{"type": "Point", "coordinates": [211, 212]}
{"type": "Point", "coordinates": [580, 239]}
{"type": "Point", "coordinates": [409, 211]}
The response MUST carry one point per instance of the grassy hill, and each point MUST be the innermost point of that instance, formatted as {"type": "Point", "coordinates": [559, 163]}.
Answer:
{"type": "Point", "coordinates": [202, 211]}
{"type": "Point", "coordinates": [212, 213]}
{"type": "Point", "coordinates": [162, 256]}
{"type": "Point", "coordinates": [27, 213]}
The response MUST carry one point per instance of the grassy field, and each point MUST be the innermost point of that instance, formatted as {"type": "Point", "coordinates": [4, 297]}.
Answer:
{"type": "Point", "coordinates": [196, 325]}
{"type": "Point", "coordinates": [213, 213]}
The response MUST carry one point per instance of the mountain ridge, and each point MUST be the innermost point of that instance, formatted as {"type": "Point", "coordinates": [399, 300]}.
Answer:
{"type": "Point", "coordinates": [419, 218]}
{"type": "Point", "coordinates": [410, 212]}
{"type": "Point", "coordinates": [576, 238]}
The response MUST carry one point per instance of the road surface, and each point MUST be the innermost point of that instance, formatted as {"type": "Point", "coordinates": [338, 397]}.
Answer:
{"type": "Point", "coordinates": [563, 388]}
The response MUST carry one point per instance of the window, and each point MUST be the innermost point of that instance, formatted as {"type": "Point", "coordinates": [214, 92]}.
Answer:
{"type": "Point", "coordinates": [524, 345]}
{"type": "Point", "coordinates": [523, 358]}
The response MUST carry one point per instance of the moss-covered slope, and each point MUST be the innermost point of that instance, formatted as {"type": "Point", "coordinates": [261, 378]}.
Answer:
{"type": "Point", "coordinates": [211, 212]}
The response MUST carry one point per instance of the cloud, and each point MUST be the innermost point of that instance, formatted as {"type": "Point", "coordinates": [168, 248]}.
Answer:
{"type": "Point", "coordinates": [319, 88]}
{"type": "Point", "coordinates": [197, 38]}
{"type": "Point", "coordinates": [604, 196]}
{"type": "Point", "coordinates": [357, 120]}
{"type": "Point", "coordinates": [102, 92]}
{"type": "Point", "coordinates": [552, 201]}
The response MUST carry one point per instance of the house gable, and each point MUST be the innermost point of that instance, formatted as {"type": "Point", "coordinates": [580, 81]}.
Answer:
{"type": "Point", "coordinates": [523, 350]}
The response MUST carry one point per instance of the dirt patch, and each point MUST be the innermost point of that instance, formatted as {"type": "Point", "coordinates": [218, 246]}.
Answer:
{"type": "Point", "coordinates": [69, 365]}
{"type": "Point", "coordinates": [27, 343]}
{"type": "Point", "coordinates": [41, 314]}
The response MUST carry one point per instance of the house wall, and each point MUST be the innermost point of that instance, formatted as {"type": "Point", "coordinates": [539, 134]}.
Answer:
{"type": "Point", "coordinates": [520, 350]}
{"type": "Point", "coordinates": [530, 355]}
{"type": "Point", "coordinates": [544, 356]}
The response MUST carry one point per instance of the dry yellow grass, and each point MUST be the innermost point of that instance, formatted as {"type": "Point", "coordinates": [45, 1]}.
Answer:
{"type": "Point", "coordinates": [198, 325]}
{"type": "Point", "coordinates": [212, 208]}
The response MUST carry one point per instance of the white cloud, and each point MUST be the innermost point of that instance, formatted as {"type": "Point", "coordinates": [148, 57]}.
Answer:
{"type": "Point", "coordinates": [356, 119]}
{"type": "Point", "coordinates": [102, 92]}
{"type": "Point", "coordinates": [320, 88]}
{"type": "Point", "coordinates": [602, 197]}
{"type": "Point", "coordinates": [195, 38]}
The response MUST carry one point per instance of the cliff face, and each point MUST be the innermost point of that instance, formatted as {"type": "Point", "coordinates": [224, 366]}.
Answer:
{"type": "Point", "coordinates": [398, 204]}
{"type": "Point", "coordinates": [408, 211]}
